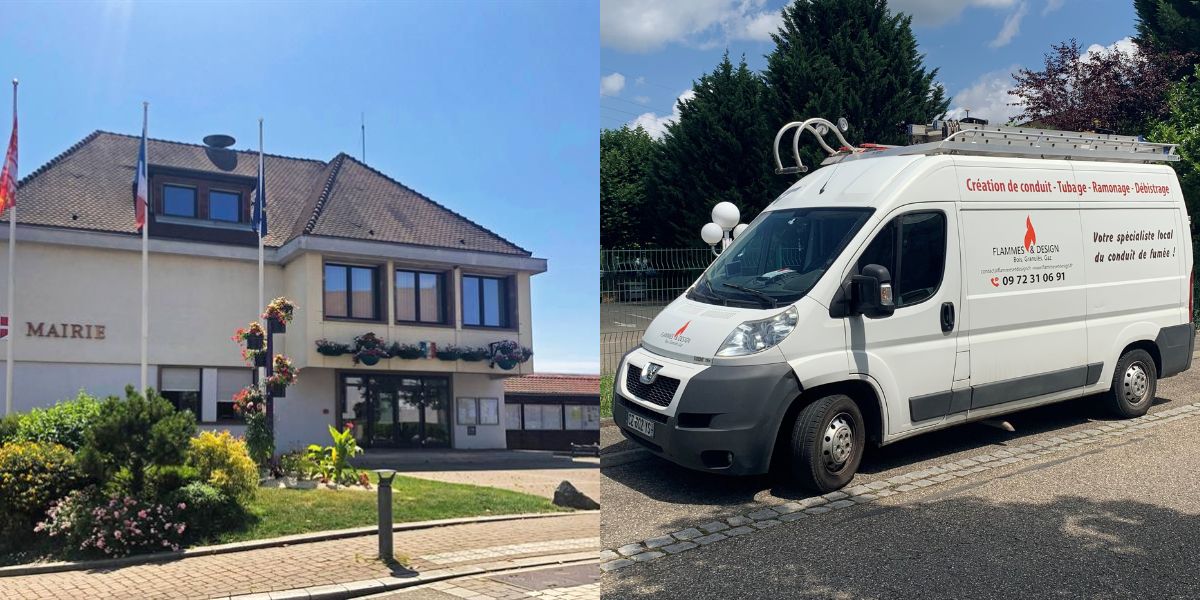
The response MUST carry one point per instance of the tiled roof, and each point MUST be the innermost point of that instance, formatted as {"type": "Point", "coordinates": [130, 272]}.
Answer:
{"type": "Point", "coordinates": [88, 187]}
{"type": "Point", "coordinates": [563, 385]}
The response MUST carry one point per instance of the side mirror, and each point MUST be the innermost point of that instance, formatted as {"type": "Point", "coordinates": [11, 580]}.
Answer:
{"type": "Point", "coordinates": [871, 292]}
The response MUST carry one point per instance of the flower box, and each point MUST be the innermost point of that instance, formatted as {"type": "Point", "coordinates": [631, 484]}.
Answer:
{"type": "Point", "coordinates": [274, 326]}
{"type": "Point", "coordinates": [278, 390]}
{"type": "Point", "coordinates": [507, 364]}
{"type": "Point", "coordinates": [473, 354]}
{"type": "Point", "coordinates": [406, 351]}
{"type": "Point", "coordinates": [254, 341]}
{"type": "Point", "coordinates": [368, 359]}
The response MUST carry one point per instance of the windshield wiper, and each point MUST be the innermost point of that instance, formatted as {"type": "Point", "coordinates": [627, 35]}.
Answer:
{"type": "Point", "coordinates": [766, 297]}
{"type": "Point", "coordinates": [711, 293]}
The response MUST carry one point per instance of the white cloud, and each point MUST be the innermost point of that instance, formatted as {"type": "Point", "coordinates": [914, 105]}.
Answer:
{"type": "Point", "coordinates": [656, 125]}
{"type": "Point", "coordinates": [933, 13]}
{"type": "Point", "coordinates": [612, 84]}
{"type": "Point", "coordinates": [647, 25]}
{"type": "Point", "coordinates": [642, 99]}
{"type": "Point", "coordinates": [1052, 5]}
{"type": "Point", "coordinates": [987, 98]}
{"type": "Point", "coordinates": [1011, 27]}
{"type": "Point", "coordinates": [641, 80]}
{"type": "Point", "coordinates": [1124, 45]}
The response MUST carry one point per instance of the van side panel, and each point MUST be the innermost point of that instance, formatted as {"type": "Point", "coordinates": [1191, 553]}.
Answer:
{"type": "Point", "coordinates": [1026, 300]}
{"type": "Point", "coordinates": [1137, 256]}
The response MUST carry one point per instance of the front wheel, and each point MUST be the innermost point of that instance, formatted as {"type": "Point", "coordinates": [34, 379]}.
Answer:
{"type": "Point", "coordinates": [827, 443]}
{"type": "Point", "coordinates": [1134, 384]}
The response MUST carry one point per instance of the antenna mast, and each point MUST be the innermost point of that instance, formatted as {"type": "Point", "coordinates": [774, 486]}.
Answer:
{"type": "Point", "coordinates": [364, 136]}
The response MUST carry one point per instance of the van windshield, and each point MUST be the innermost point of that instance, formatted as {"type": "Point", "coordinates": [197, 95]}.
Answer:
{"type": "Point", "coordinates": [780, 257]}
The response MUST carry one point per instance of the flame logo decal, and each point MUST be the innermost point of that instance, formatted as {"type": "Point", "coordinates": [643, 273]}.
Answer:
{"type": "Point", "coordinates": [1030, 234]}
{"type": "Point", "coordinates": [682, 329]}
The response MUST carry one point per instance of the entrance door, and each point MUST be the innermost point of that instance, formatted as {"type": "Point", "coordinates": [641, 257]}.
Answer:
{"type": "Point", "coordinates": [911, 353]}
{"type": "Point", "coordinates": [397, 411]}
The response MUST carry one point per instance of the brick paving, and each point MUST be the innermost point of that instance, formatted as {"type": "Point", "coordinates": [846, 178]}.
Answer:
{"type": "Point", "coordinates": [575, 582]}
{"type": "Point", "coordinates": [305, 565]}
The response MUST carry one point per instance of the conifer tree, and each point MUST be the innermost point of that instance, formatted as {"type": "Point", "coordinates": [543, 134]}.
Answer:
{"type": "Point", "coordinates": [854, 59]}
{"type": "Point", "coordinates": [718, 150]}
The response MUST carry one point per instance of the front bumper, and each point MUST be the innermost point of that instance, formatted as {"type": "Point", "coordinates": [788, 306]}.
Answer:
{"type": "Point", "coordinates": [723, 419]}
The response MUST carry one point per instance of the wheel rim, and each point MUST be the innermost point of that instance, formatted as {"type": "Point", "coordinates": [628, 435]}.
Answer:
{"type": "Point", "coordinates": [837, 444]}
{"type": "Point", "coordinates": [1135, 385]}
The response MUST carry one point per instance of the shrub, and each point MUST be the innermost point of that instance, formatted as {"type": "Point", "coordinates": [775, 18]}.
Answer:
{"type": "Point", "coordinates": [137, 432]}
{"type": "Point", "coordinates": [260, 442]}
{"type": "Point", "coordinates": [123, 525]}
{"type": "Point", "coordinates": [32, 476]}
{"type": "Point", "coordinates": [207, 510]}
{"type": "Point", "coordinates": [70, 518]}
{"type": "Point", "coordinates": [8, 427]}
{"type": "Point", "coordinates": [164, 480]}
{"type": "Point", "coordinates": [223, 462]}
{"type": "Point", "coordinates": [64, 423]}
{"type": "Point", "coordinates": [299, 465]}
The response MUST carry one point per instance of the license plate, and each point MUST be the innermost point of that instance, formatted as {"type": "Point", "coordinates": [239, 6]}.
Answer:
{"type": "Point", "coordinates": [640, 424]}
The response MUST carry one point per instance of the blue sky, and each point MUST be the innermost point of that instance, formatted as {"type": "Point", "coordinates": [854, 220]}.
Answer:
{"type": "Point", "coordinates": [652, 50]}
{"type": "Point", "coordinates": [481, 106]}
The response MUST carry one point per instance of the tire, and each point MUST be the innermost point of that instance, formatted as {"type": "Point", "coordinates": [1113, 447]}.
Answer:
{"type": "Point", "coordinates": [1134, 384]}
{"type": "Point", "coordinates": [827, 443]}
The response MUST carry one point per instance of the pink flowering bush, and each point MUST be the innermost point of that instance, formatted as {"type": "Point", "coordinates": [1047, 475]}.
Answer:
{"type": "Point", "coordinates": [115, 526]}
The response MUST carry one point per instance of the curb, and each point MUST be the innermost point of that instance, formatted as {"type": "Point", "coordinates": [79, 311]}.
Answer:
{"type": "Point", "coordinates": [302, 538]}
{"type": "Point", "coordinates": [355, 589]}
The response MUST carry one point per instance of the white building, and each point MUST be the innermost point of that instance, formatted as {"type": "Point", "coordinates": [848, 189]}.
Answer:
{"type": "Point", "coordinates": [356, 250]}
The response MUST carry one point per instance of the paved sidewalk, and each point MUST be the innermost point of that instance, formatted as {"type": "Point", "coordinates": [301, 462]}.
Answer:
{"type": "Point", "coordinates": [573, 582]}
{"type": "Point", "coordinates": [318, 563]}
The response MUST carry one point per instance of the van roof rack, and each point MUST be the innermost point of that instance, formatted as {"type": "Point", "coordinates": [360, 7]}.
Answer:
{"type": "Point", "coordinates": [980, 139]}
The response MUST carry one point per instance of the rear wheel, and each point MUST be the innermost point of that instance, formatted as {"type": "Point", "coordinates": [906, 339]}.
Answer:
{"type": "Point", "coordinates": [827, 443]}
{"type": "Point", "coordinates": [1134, 384]}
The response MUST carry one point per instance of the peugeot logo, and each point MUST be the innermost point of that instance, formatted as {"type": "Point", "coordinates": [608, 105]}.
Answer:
{"type": "Point", "coordinates": [650, 373]}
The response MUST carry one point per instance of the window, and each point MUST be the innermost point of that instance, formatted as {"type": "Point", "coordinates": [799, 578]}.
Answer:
{"type": "Point", "coordinates": [485, 301]}
{"type": "Point", "coordinates": [512, 416]}
{"type": "Point", "coordinates": [179, 201]}
{"type": "Point", "coordinates": [350, 292]}
{"type": "Point", "coordinates": [582, 417]}
{"type": "Point", "coordinates": [919, 239]}
{"type": "Point", "coordinates": [780, 257]}
{"type": "Point", "coordinates": [419, 297]}
{"type": "Point", "coordinates": [229, 383]}
{"type": "Point", "coordinates": [182, 388]}
{"type": "Point", "coordinates": [543, 416]}
{"type": "Point", "coordinates": [224, 206]}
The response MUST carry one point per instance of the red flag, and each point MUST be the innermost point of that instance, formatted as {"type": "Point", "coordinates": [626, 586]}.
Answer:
{"type": "Point", "coordinates": [8, 177]}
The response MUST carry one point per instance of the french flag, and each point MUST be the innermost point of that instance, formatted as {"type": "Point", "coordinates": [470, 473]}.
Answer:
{"type": "Point", "coordinates": [139, 181]}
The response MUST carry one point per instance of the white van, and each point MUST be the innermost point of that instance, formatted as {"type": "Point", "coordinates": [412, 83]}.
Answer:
{"type": "Point", "coordinates": [906, 289]}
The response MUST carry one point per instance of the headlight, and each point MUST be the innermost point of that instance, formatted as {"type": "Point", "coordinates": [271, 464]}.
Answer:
{"type": "Point", "coordinates": [756, 336]}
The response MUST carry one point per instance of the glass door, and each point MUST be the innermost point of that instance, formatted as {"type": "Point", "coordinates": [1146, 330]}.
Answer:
{"type": "Point", "coordinates": [397, 411]}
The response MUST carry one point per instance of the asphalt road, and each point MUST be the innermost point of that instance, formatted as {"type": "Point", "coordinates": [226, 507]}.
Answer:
{"type": "Point", "coordinates": [628, 316]}
{"type": "Point", "coordinates": [1114, 519]}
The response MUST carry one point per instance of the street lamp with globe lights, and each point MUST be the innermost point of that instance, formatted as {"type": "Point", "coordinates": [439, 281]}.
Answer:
{"type": "Point", "coordinates": [724, 228]}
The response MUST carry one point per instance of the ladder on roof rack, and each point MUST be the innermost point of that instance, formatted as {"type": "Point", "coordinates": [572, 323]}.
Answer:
{"type": "Point", "coordinates": [955, 137]}
{"type": "Point", "coordinates": [972, 138]}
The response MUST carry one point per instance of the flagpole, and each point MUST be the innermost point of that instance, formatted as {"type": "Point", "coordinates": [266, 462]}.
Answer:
{"type": "Point", "coordinates": [145, 261]}
{"type": "Point", "coordinates": [260, 207]}
{"type": "Point", "coordinates": [12, 256]}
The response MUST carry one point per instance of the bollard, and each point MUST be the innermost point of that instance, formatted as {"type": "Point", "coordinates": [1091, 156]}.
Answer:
{"type": "Point", "coordinates": [385, 513]}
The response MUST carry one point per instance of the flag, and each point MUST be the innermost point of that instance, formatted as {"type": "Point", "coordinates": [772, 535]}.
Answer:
{"type": "Point", "coordinates": [139, 182]}
{"type": "Point", "coordinates": [258, 218]}
{"type": "Point", "coordinates": [3, 326]}
{"type": "Point", "coordinates": [8, 177]}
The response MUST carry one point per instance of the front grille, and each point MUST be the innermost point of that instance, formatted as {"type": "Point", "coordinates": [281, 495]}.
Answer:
{"type": "Point", "coordinates": [660, 393]}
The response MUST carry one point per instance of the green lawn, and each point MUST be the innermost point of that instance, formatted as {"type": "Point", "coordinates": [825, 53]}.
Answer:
{"type": "Point", "coordinates": [606, 395]}
{"type": "Point", "coordinates": [277, 512]}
